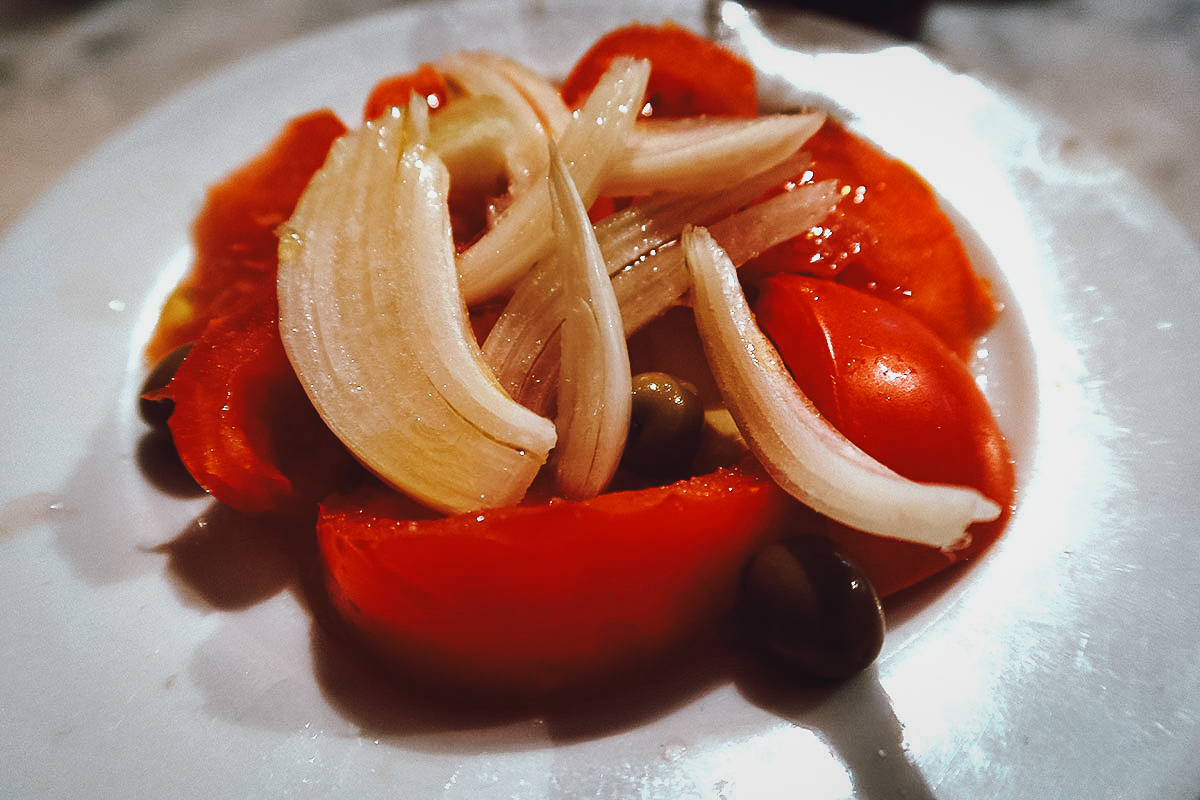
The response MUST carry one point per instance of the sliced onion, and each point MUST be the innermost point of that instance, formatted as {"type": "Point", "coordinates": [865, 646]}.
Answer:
{"type": "Point", "coordinates": [520, 235]}
{"type": "Point", "coordinates": [806, 455]}
{"type": "Point", "coordinates": [474, 75]}
{"type": "Point", "coordinates": [523, 346]}
{"type": "Point", "coordinates": [376, 329]}
{"type": "Point", "coordinates": [543, 97]}
{"type": "Point", "coordinates": [477, 138]}
{"type": "Point", "coordinates": [652, 284]}
{"type": "Point", "coordinates": [595, 390]}
{"type": "Point", "coordinates": [627, 235]}
{"type": "Point", "coordinates": [515, 347]}
{"type": "Point", "coordinates": [705, 154]}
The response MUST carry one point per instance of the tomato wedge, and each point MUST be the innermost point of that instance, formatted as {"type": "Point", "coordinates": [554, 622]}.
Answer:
{"type": "Point", "coordinates": [533, 601]}
{"type": "Point", "coordinates": [888, 237]}
{"type": "Point", "coordinates": [895, 389]}
{"type": "Point", "coordinates": [243, 425]}
{"type": "Point", "coordinates": [234, 234]}
{"type": "Point", "coordinates": [689, 74]}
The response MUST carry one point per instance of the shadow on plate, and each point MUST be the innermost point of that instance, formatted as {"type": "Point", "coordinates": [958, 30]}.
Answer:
{"type": "Point", "coordinates": [227, 561]}
{"type": "Point", "coordinates": [159, 463]}
{"type": "Point", "coordinates": [277, 658]}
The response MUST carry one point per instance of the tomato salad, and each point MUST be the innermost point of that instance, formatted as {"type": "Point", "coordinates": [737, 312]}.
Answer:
{"type": "Point", "coordinates": [560, 370]}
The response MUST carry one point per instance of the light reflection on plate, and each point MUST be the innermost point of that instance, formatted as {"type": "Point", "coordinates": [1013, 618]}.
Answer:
{"type": "Point", "coordinates": [1067, 663]}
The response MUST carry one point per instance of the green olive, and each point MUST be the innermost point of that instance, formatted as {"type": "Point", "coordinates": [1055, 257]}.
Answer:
{"type": "Point", "coordinates": [665, 427]}
{"type": "Point", "coordinates": [156, 412]}
{"type": "Point", "coordinates": [812, 607]}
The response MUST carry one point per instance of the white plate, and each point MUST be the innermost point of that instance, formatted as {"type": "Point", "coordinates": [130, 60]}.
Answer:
{"type": "Point", "coordinates": [1066, 664]}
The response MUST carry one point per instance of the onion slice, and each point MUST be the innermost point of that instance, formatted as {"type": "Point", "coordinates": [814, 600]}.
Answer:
{"type": "Point", "coordinates": [806, 455]}
{"type": "Point", "coordinates": [374, 324]}
{"type": "Point", "coordinates": [478, 138]}
{"type": "Point", "coordinates": [541, 95]}
{"type": "Point", "coordinates": [476, 75]}
{"type": "Point", "coordinates": [627, 240]}
{"type": "Point", "coordinates": [595, 390]}
{"type": "Point", "coordinates": [705, 154]}
{"type": "Point", "coordinates": [520, 235]}
{"type": "Point", "coordinates": [648, 277]}
{"type": "Point", "coordinates": [649, 286]}
{"type": "Point", "coordinates": [626, 236]}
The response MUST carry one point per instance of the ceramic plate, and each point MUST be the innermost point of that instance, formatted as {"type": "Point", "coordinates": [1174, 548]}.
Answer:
{"type": "Point", "coordinates": [156, 646]}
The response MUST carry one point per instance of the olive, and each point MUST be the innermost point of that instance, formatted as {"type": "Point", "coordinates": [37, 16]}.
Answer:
{"type": "Point", "coordinates": [156, 412]}
{"type": "Point", "coordinates": [665, 427]}
{"type": "Point", "coordinates": [812, 607]}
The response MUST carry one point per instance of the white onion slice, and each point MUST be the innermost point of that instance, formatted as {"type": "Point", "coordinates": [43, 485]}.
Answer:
{"type": "Point", "coordinates": [477, 138]}
{"type": "Point", "coordinates": [543, 97]}
{"type": "Point", "coordinates": [595, 390]}
{"type": "Point", "coordinates": [629, 234]}
{"type": "Point", "coordinates": [650, 285]}
{"type": "Point", "coordinates": [806, 455]}
{"type": "Point", "coordinates": [523, 346]}
{"type": "Point", "coordinates": [475, 74]}
{"type": "Point", "coordinates": [376, 329]}
{"type": "Point", "coordinates": [531, 317]}
{"type": "Point", "coordinates": [705, 154]}
{"type": "Point", "coordinates": [521, 235]}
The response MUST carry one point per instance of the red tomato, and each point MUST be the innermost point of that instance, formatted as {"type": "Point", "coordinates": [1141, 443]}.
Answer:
{"type": "Point", "coordinates": [534, 600]}
{"type": "Point", "coordinates": [243, 425]}
{"type": "Point", "coordinates": [689, 74]}
{"type": "Point", "coordinates": [887, 237]}
{"type": "Point", "coordinates": [897, 391]}
{"type": "Point", "coordinates": [396, 91]}
{"type": "Point", "coordinates": [234, 234]}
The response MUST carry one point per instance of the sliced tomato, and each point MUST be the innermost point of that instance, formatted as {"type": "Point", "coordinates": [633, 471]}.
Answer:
{"type": "Point", "coordinates": [534, 600]}
{"type": "Point", "coordinates": [888, 237]}
{"type": "Point", "coordinates": [689, 74]}
{"type": "Point", "coordinates": [243, 425]}
{"type": "Point", "coordinates": [395, 92]}
{"type": "Point", "coordinates": [895, 389]}
{"type": "Point", "coordinates": [235, 232]}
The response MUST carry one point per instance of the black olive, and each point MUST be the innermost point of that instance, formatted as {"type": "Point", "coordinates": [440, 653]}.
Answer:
{"type": "Point", "coordinates": [812, 607]}
{"type": "Point", "coordinates": [665, 427]}
{"type": "Point", "coordinates": [156, 412]}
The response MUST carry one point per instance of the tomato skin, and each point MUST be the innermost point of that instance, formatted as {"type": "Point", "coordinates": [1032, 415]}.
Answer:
{"type": "Point", "coordinates": [243, 425]}
{"type": "Point", "coordinates": [537, 601]}
{"type": "Point", "coordinates": [888, 237]}
{"type": "Point", "coordinates": [396, 91]}
{"type": "Point", "coordinates": [896, 390]}
{"type": "Point", "coordinates": [235, 232]}
{"type": "Point", "coordinates": [689, 74]}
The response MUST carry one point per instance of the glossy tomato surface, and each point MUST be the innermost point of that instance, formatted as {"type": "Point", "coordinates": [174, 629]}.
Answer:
{"type": "Point", "coordinates": [896, 390]}
{"type": "Point", "coordinates": [537, 600]}
{"type": "Point", "coordinates": [689, 74]}
{"type": "Point", "coordinates": [243, 424]}
{"type": "Point", "coordinates": [235, 235]}
{"type": "Point", "coordinates": [889, 237]}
